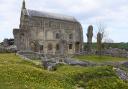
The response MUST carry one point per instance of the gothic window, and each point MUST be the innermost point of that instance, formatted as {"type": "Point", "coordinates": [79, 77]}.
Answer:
{"type": "Point", "coordinates": [57, 47]}
{"type": "Point", "coordinates": [70, 36]}
{"type": "Point", "coordinates": [57, 36]}
{"type": "Point", "coordinates": [49, 46]}
{"type": "Point", "coordinates": [70, 46]}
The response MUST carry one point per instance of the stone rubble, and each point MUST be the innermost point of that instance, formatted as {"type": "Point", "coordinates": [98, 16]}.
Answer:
{"type": "Point", "coordinates": [122, 74]}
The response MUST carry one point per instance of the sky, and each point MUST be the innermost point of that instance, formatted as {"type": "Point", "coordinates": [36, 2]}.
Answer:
{"type": "Point", "coordinates": [112, 13]}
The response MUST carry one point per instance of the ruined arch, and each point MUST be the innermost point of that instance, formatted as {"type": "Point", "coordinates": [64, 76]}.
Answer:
{"type": "Point", "coordinates": [33, 46]}
{"type": "Point", "coordinates": [50, 46]}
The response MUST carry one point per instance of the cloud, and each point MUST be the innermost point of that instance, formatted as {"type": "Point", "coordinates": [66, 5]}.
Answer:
{"type": "Point", "coordinates": [112, 12]}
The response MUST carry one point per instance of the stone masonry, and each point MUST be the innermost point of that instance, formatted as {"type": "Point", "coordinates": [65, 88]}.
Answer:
{"type": "Point", "coordinates": [89, 38]}
{"type": "Point", "coordinates": [48, 33]}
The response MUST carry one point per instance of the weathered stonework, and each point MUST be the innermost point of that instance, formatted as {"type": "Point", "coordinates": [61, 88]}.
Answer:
{"type": "Point", "coordinates": [99, 43]}
{"type": "Point", "coordinates": [48, 33]}
{"type": "Point", "coordinates": [89, 38]}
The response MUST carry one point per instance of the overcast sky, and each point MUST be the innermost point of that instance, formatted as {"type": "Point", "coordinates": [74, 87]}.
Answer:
{"type": "Point", "coordinates": [113, 13]}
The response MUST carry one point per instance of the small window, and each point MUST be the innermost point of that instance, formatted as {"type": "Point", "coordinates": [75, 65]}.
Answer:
{"type": "Point", "coordinates": [57, 47]}
{"type": "Point", "coordinates": [49, 46]}
{"type": "Point", "coordinates": [70, 46]}
{"type": "Point", "coordinates": [70, 36]}
{"type": "Point", "coordinates": [57, 36]}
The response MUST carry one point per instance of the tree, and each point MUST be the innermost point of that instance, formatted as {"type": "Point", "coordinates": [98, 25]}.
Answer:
{"type": "Point", "coordinates": [100, 36]}
{"type": "Point", "coordinates": [101, 29]}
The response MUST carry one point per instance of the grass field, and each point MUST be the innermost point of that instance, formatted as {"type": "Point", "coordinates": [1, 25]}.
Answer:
{"type": "Point", "coordinates": [95, 58]}
{"type": "Point", "coordinates": [16, 73]}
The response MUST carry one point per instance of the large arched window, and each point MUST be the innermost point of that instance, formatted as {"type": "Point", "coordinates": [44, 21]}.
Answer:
{"type": "Point", "coordinates": [50, 46]}
{"type": "Point", "coordinates": [57, 36]}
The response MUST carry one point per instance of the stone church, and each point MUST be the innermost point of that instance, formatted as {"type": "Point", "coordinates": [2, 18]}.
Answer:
{"type": "Point", "coordinates": [48, 33]}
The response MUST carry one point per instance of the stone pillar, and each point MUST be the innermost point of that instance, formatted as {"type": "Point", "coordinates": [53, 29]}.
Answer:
{"type": "Point", "coordinates": [99, 43]}
{"type": "Point", "coordinates": [74, 50]}
{"type": "Point", "coordinates": [89, 38]}
{"type": "Point", "coordinates": [54, 48]}
{"type": "Point", "coordinates": [45, 47]}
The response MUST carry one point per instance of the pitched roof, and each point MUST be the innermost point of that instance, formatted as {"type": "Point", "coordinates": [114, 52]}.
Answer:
{"type": "Point", "coordinates": [50, 15]}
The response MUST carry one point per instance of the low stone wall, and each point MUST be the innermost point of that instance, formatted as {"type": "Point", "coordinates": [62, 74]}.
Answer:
{"type": "Point", "coordinates": [30, 54]}
{"type": "Point", "coordinates": [115, 52]}
{"type": "Point", "coordinates": [6, 50]}
{"type": "Point", "coordinates": [50, 61]}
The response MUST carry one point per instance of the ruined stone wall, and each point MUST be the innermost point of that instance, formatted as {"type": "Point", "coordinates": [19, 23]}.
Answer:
{"type": "Point", "coordinates": [16, 38]}
{"type": "Point", "coordinates": [36, 32]}
{"type": "Point", "coordinates": [43, 32]}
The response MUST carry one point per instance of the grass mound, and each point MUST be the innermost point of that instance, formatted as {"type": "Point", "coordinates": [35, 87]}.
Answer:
{"type": "Point", "coordinates": [16, 73]}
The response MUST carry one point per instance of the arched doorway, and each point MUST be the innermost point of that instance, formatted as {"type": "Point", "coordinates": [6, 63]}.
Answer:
{"type": "Point", "coordinates": [50, 47]}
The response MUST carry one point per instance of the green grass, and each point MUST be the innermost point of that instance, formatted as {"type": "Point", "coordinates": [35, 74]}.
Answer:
{"type": "Point", "coordinates": [16, 73]}
{"type": "Point", "coordinates": [95, 58]}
